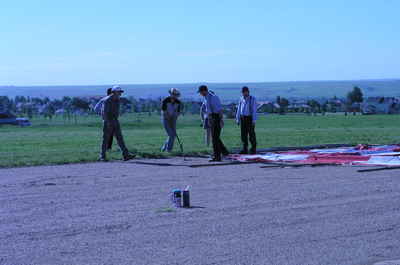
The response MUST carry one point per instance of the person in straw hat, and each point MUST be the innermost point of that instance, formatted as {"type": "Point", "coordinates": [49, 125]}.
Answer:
{"type": "Point", "coordinates": [171, 109]}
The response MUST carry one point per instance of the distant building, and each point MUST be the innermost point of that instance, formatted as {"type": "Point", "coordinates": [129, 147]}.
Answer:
{"type": "Point", "coordinates": [336, 105]}
{"type": "Point", "coordinates": [268, 107]}
{"type": "Point", "coordinates": [230, 110]}
{"type": "Point", "coordinates": [381, 105]}
{"type": "Point", "coordinates": [299, 106]}
{"type": "Point", "coordinates": [60, 112]}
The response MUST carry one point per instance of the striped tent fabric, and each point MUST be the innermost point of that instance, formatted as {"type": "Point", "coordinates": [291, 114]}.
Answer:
{"type": "Point", "coordinates": [376, 155]}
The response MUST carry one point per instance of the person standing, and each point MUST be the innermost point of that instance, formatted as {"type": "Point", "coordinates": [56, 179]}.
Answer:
{"type": "Point", "coordinates": [205, 124]}
{"type": "Point", "coordinates": [214, 112]}
{"type": "Point", "coordinates": [109, 145]}
{"type": "Point", "coordinates": [171, 109]}
{"type": "Point", "coordinates": [111, 126]}
{"type": "Point", "coordinates": [97, 109]}
{"type": "Point", "coordinates": [246, 117]}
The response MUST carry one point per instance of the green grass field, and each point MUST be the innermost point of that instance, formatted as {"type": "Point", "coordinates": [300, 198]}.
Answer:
{"type": "Point", "coordinates": [57, 143]}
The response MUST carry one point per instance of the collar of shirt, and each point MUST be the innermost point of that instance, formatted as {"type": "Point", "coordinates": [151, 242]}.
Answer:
{"type": "Point", "coordinates": [246, 98]}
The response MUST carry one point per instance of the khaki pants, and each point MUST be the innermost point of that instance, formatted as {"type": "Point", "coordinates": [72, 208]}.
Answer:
{"type": "Point", "coordinates": [110, 129]}
{"type": "Point", "coordinates": [170, 128]}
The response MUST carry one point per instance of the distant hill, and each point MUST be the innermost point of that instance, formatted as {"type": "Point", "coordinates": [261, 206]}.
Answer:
{"type": "Point", "coordinates": [228, 91]}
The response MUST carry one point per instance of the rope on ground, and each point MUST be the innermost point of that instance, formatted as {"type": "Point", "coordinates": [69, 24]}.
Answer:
{"type": "Point", "coordinates": [377, 169]}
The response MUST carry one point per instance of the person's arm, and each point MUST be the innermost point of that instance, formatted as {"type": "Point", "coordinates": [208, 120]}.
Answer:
{"type": "Point", "coordinates": [218, 105]}
{"type": "Point", "coordinates": [98, 106]}
{"type": "Point", "coordinates": [254, 110]}
{"type": "Point", "coordinates": [108, 115]}
{"type": "Point", "coordinates": [164, 105]}
{"type": "Point", "coordinates": [208, 107]}
{"type": "Point", "coordinates": [164, 109]}
{"type": "Point", "coordinates": [179, 109]}
{"type": "Point", "coordinates": [238, 112]}
{"type": "Point", "coordinates": [202, 111]}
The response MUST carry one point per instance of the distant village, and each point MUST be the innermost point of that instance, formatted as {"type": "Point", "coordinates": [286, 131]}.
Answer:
{"type": "Point", "coordinates": [72, 107]}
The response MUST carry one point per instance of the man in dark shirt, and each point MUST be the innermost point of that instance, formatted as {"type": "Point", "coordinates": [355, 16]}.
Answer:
{"type": "Point", "coordinates": [171, 109]}
{"type": "Point", "coordinates": [111, 126]}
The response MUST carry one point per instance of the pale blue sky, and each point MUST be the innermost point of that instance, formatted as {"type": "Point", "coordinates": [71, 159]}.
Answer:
{"type": "Point", "coordinates": [101, 42]}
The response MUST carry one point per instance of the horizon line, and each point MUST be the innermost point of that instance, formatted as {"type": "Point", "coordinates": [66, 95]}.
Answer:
{"type": "Point", "coordinates": [193, 83]}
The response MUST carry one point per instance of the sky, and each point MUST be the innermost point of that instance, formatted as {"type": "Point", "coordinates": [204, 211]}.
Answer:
{"type": "Point", "coordinates": [156, 41]}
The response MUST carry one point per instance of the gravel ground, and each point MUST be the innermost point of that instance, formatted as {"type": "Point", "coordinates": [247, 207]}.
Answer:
{"type": "Point", "coordinates": [119, 213]}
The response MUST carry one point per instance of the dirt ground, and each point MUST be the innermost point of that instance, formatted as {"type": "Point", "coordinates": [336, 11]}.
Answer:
{"type": "Point", "coordinates": [119, 213]}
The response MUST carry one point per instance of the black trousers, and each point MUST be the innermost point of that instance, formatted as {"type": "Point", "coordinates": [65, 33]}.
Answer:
{"type": "Point", "coordinates": [110, 129]}
{"type": "Point", "coordinates": [248, 131]}
{"type": "Point", "coordinates": [110, 142]}
{"type": "Point", "coordinates": [218, 145]}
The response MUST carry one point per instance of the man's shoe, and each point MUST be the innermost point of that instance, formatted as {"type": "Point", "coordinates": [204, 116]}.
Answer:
{"type": "Point", "coordinates": [244, 152]}
{"type": "Point", "coordinates": [129, 157]}
{"type": "Point", "coordinates": [215, 159]}
{"type": "Point", "coordinates": [102, 159]}
{"type": "Point", "coordinates": [253, 151]}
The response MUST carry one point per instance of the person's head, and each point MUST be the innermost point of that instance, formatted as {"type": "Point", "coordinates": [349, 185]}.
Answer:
{"type": "Point", "coordinates": [203, 90]}
{"type": "Point", "coordinates": [116, 91]}
{"type": "Point", "coordinates": [245, 91]}
{"type": "Point", "coordinates": [174, 93]}
{"type": "Point", "coordinates": [109, 91]}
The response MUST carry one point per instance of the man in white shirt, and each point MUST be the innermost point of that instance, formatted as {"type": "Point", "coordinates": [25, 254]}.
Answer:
{"type": "Point", "coordinates": [246, 117]}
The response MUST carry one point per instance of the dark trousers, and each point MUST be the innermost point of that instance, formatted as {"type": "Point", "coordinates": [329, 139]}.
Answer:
{"type": "Point", "coordinates": [109, 144]}
{"type": "Point", "coordinates": [218, 145]}
{"type": "Point", "coordinates": [248, 131]}
{"type": "Point", "coordinates": [110, 129]}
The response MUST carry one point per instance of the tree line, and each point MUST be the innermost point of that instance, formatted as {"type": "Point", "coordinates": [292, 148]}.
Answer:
{"type": "Point", "coordinates": [71, 107]}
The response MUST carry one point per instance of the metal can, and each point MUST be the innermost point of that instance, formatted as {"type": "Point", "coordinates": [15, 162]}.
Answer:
{"type": "Point", "coordinates": [186, 198]}
{"type": "Point", "coordinates": [176, 198]}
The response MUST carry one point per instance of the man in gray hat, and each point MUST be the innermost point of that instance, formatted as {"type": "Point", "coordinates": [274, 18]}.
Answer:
{"type": "Point", "coordinates": [214, 112]}
{"type": "Point", "coordinates": [246, 117]}
{"type": "Point", "coordinates": [111, 126]}
{"type": "Point", "coordinates": [98, 109]}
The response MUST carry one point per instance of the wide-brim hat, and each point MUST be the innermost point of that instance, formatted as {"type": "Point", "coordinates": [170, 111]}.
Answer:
{"type": "Point", "coordinates": [117, 89]}
{"type": "Point", "coordinates": [174, 92]}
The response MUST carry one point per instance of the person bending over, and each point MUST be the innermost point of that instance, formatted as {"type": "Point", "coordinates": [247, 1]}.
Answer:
{"type": "Point", "coordinates": [214, 113]}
